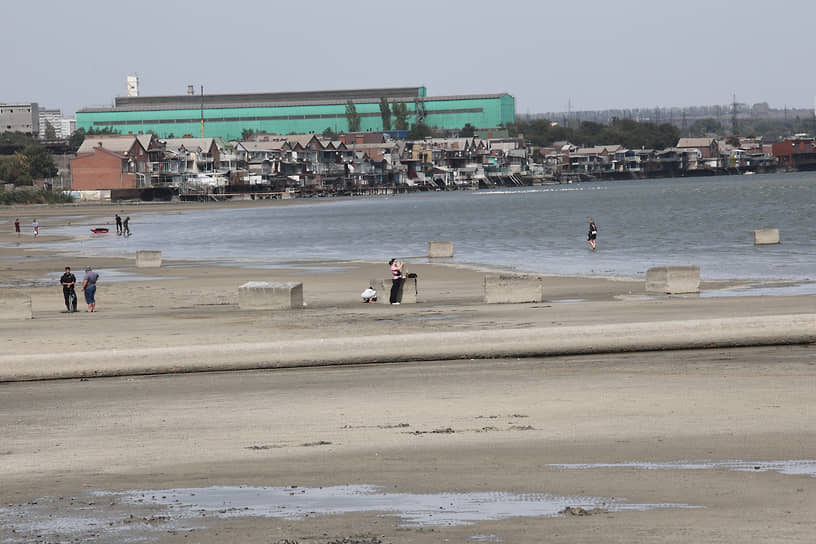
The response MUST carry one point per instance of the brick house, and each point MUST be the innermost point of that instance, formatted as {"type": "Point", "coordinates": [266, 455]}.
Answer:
{"type": "Point", "coordinates": [708, 146]}
{"type": "Point", "coordinates": [109, 163]}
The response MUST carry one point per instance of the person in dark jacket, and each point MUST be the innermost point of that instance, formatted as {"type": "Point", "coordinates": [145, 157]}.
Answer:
{"type": "Point", "coordinates": [68, 282]}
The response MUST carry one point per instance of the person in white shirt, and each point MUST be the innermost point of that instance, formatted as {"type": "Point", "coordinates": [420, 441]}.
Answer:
{"type": "Point", "coordinates": [369, 295]}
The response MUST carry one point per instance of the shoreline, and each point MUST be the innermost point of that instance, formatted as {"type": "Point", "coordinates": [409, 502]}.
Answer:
{"type": "Point", "coordinates": [61, 215]}
{"type": "Point", "coordinates": [171, 385]}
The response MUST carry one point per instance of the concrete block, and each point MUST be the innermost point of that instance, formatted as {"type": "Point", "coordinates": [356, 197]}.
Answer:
{"type": "Point", "coordinates": [14, 305]}
{"type": "Point", "coordinates": [673, 279]}
{"type": "Point", "coordinates": [408, 294]}
{"type": "Point", "coordinates": [440, 250]}
{"type": "Point", "coordinates": [148, 259]}
{"type": "Point", "coordinates": [766, 236]}
{"type": "Point", "coordinates": [512, 288]}
{"type": "Point", "coordinates": [262, 295]}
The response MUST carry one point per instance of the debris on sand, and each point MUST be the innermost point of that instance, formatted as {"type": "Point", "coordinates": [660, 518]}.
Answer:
{"type": "Point", "coordinates": [579, 511]}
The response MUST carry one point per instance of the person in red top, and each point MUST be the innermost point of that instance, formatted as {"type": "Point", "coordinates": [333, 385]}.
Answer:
{"type": "Point", "coordinates": [17, 226]}
{"type": "Point", "coordinates": [396, 280]}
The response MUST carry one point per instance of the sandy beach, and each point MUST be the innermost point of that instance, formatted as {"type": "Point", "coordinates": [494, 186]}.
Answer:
{"type": "Point", "coordinates": [480, 425]}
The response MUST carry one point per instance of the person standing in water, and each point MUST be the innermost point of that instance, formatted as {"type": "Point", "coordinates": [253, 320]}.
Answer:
{"type": "Point", "coordinates": [126, 226]}
{"type": "Point", "coordinates": [592, 234]}
{"type": "Point", "coordinates": [118, 224]}
{"type": "Point", "coordinates": [35, 226]}
{"type": "Point", "coordinates": [17, 226]}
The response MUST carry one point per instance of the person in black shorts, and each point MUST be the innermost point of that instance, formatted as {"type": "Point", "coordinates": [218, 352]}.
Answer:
{"type": "Point", "coordinates": [68, 282]}
{"type": "Point", "coordinates": [592, 234]}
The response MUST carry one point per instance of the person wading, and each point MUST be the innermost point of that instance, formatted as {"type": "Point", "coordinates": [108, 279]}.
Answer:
{"type": "Point", "coordinates": [592, 233]}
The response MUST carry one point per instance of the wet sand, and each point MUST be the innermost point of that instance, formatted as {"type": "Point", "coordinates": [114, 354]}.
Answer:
{"type": "Point", "coordinates": [444, 427]}
{"type": "Point", "coordinates": [432, 427]}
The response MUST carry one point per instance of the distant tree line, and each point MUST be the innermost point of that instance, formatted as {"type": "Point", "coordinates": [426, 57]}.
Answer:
{"type": "Point", "coordinates": [626, 132]}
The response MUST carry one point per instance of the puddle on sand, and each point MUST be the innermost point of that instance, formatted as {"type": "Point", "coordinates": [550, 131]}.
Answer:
{"type": "Point", "coordinates": [806, 467]}
{"type": "Point", "coordinates": [129, 516]}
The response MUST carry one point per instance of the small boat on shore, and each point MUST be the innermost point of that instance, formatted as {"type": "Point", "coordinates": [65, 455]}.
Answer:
{"type": "Point", "coordinates": [99, 230]}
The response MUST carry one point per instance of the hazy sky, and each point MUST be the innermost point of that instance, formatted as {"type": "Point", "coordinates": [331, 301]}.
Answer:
{"type": "Point", "coordinates": [592, 54]}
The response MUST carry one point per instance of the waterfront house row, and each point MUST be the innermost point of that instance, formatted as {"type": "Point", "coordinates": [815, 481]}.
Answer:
{"type": "Point", "coordinates": [305, 161]}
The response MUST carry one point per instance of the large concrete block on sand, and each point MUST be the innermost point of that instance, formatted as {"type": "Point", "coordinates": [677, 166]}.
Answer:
{"type": "Point", "coordinates": [766, 236]}
{"type": "Point", "coordinates": [673, 280]}
{"type": "Point", "coordinates": [440, 250]}
{"type": "Point", "coordinates": [512, 288]}
{"type": "Point", "coordinates": [14, 305]}
{"type": "Point", "coordinates": [148, 259]}
{"type": "Point", "coordinates": [263, 295]}
{"type": "Point", "coordinates": [408, 294]}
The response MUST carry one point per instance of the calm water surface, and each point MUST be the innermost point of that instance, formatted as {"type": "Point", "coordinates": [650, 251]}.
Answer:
{"type": "Point", "coordinates": [707, 222]}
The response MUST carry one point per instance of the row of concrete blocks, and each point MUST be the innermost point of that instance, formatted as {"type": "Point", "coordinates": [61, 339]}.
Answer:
{"type": "Point", "coordinates": [264, 295]}
{"type": "Point", "coordinates": [517, 288]}
{"type": "Point", "coordinates": [498, 288]}
{"type": "Point", "coordinates": [153, 259]}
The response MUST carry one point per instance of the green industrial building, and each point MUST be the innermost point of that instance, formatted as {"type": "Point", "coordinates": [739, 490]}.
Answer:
{"type": "Point", "coordinates": [228, 115]}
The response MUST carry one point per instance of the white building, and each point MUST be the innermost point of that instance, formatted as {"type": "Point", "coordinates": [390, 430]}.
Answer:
{"type": "Point", "coordinates": [67, 126]}
{"type": "Point", "coordinates": [52, 118]}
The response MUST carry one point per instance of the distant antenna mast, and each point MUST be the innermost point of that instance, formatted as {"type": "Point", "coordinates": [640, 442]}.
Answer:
{"type": "Point", "coordinates": [202, 111]}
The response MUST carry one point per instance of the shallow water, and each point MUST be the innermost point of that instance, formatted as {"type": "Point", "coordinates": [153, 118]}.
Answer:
{"type": "Point", "coordinates": [801, 467]}
{"type": "Point", "coordinates": [707, 222]}
{"type": "Point", "coordinates": [128, 516]}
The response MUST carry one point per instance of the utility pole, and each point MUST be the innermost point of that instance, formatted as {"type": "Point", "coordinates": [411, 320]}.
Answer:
{"type": "Point", "coordinates": [202, 111]}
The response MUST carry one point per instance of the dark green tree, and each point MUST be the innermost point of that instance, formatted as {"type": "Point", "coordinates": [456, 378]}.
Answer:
{"type": "Point", "coordinates": [705, 127]}
{"type": "Point", "coordinates": [16, 169]}
{"type": "Point", "coordinates": [352, 117]}
{"type": "Point", "coordinates": [467, 131]}
{"type": "Point", "coordinates": [329, 133]}
{"type": "Point", "coordinates": [50, 131]}
{"type": "Point", "coordinates": [385, 113]}
{"type": "Point", "coordinates": [76, 139]}
{"type": "Point", "coordinates": [400, 111]}
{"type": "Point", "coordinates": [247, 133]}
{"type": "Point", "coordinates": [419, 131]}
{"type": "Point", "coordinates": [40, 162]}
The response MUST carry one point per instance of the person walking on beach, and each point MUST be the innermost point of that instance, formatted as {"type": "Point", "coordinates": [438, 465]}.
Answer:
{"type": "Point", "coordinates": [125, 227]}
{"type": "Point", "coordinates": [89, 288]}
{"type": "Point", "coordinates": [68, 282]}
{"type": "Point", "coordinates": [592, 234]}
{"type": "Point", "coordinates": [35, 226]}
{"type": "Point", "coordinates": [118, 224]}
{"type": "Point", "coordinates": [17, 226]}
{"type": "Point", "coordinates": [396, 280]}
